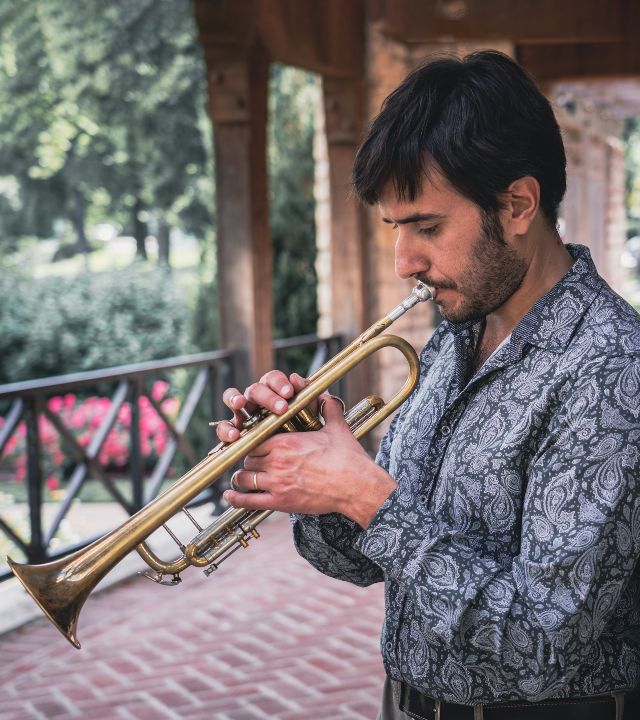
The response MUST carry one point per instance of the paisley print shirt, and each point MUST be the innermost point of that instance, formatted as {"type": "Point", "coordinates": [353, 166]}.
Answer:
{"type": "Point", "coordinates": [509, 550]}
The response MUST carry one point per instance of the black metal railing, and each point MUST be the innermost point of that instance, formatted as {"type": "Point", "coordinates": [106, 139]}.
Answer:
{"type": "Point", "coordinates": [306, 351]}
{"type": "Point", "coordinates": [26, 405]}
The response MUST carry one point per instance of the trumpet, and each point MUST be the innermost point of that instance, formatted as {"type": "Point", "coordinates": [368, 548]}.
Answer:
{"type": "Point", "coordinates": [61, 587]}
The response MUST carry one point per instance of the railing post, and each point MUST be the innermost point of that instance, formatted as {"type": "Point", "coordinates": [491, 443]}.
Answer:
{"type": "Point", "coordinates": [36, 551]}
{"type": "Point", "coordinates": [135, 455]}
{"type": "Point", "coordinates": [220, 378]}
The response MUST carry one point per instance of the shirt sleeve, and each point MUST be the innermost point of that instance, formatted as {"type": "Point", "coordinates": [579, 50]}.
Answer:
{"type": "Point", "coordinates": [580, 543]}
{"type": "Point", "coordinates": [328, 542]}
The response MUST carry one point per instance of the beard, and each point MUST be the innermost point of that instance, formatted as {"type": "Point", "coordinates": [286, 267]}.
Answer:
{"type": "Point", "coordinates": [495, 271]}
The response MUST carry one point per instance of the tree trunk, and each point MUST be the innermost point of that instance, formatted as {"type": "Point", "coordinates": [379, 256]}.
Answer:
{"type": "Point", "coordinates": [78, 221]}
{"type": "Point", "coordinates": [164, 244]}
{"type": "Point", "coordinates": [139, 231]}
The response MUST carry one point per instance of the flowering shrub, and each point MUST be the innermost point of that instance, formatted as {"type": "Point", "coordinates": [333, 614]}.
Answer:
{"type": "Point", "coordinates": [83, 418]}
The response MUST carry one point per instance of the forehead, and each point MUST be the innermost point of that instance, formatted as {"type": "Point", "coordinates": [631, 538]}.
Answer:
{"type": "Point", "coordinates": [436, 196]}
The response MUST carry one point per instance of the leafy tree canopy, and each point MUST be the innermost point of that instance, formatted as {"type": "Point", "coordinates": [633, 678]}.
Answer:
{"type": "Point", "coordinates": [106, 102]}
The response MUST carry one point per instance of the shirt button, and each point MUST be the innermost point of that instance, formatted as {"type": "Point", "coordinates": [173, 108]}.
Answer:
{"type": "Point", "coordinates": [423, 499]}
{"type": "Point", "coordinates": [389, 645]}
{"type": "Point", "coordinates": [445, 431]}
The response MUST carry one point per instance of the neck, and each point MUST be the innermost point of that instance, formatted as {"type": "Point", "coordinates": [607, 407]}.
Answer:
{"type": "Point", "coordinates": [548, 261]}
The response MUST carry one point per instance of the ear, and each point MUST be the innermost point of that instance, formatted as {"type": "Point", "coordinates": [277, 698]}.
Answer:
{"type": "Point", "coordinates": [522, 202]}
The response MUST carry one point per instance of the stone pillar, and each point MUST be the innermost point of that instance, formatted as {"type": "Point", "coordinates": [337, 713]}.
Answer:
{"type": "Point", "coordinates": [238, 91]}
{"type": "Point", "coordinates": [593, 211]}
{"type": "Point", "coordinates": [616, 214]}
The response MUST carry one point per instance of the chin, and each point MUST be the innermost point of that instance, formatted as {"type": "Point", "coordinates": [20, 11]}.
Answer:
{"type": "Point", "coordinates": [461, 314]}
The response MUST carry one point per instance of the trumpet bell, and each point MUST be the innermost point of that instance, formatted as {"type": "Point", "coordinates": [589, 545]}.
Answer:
{"type": "Point", "coordinates": [59, 596]}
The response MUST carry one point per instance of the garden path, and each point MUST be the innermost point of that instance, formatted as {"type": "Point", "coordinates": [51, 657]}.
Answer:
{"type": "Point", "coordinates": [266, 636]}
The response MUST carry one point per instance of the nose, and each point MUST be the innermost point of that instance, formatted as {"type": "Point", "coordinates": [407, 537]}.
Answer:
{"type": "Point", "coordinates": [410, 256]}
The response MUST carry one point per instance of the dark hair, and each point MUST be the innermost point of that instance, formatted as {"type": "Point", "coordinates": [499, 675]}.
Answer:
{"type": "Point", "coordinates": [481, 121]}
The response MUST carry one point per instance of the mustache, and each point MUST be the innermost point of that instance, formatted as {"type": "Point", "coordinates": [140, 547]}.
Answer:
{"type": "Point", "coordinates": [443, 284]}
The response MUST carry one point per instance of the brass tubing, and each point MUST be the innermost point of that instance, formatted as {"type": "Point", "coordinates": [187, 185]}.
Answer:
{"type": "Point", "coordinates": [61, 587]}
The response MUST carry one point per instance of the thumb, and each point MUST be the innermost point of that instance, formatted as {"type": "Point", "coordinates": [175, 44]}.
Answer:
{"type": "Point", "coordinates": [332, 409]}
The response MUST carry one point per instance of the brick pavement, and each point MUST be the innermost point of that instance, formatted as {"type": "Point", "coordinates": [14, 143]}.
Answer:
{"type": "Point", "coordinates": [266, 636]}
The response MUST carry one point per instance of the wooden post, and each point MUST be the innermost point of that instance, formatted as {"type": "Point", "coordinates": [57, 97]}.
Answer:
{"type": "Point", "coordinates": [340, 222]}
{"type": "Point", "coordinates": [238, 91]}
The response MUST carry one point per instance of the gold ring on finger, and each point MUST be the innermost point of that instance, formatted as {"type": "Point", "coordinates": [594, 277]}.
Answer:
{"type": "Point", "coordinates": [255, 482]}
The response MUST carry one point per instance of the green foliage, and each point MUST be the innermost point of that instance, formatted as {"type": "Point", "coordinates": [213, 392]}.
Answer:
{"type": "Point", "coordinates": [57, 325]}
{"type": "Point", "coordinates": [632, 186]}
{"type": "Point", "coordinates": [293, 99]}
{"type": "Point", "coordinates": [104, 105]}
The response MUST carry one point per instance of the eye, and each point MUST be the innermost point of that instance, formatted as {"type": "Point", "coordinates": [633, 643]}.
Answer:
{"type": "Point", "coordinates": [429, 231]}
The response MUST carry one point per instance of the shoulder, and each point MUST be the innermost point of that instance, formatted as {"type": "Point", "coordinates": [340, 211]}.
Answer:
{"type": "Point", "coordinates": [612, 325]}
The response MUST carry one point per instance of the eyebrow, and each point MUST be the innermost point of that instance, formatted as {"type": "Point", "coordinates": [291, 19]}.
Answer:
{"type": "Point", "coordinates": [416, 217]}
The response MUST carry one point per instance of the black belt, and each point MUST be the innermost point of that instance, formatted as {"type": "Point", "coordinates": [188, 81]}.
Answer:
{"type": "Point", "coordinates": [594, 707]}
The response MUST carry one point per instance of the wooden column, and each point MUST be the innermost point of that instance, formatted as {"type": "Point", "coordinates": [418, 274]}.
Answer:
{"type": "Point", "coordinates": [238, 91]}
{"type": "Point", "coordinates": [341, 295]}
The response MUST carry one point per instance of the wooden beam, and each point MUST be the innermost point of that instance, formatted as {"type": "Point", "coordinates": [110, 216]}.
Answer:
{"type": "Point", "coordinates": [569, 62]}
{"type": "Point", "coordinates": [238, 92]}
{"type": "Point", "coordinates": [543, 21]}
{"type": "Point", "coordinates": [325, 37]}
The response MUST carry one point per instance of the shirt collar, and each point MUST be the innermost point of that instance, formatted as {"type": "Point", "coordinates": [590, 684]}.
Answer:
{"type": "Point", "coordinates": [552, 321]}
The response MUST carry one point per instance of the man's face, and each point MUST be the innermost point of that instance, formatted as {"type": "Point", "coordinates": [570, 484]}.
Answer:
{"type": "Point", "coordinates": [449, 243]}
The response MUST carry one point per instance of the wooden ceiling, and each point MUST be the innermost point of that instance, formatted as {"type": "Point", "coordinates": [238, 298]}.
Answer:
{"type": "Point", "coordinates": [570, 41]}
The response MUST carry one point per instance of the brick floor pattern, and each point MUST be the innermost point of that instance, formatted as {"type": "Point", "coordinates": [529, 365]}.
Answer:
{"type": "Point", "coordinates": [266, 636]}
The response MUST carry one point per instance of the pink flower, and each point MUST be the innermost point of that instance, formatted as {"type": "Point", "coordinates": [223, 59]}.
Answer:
{"type": "Point", "coordinates": [124, 415]}
{"type": "Point", "coordinates": [170, 407]}
{"type": "Point", "coordinates": [52, 483]}
{"type": "Point", "coordinates": [159, 390]}
{"type": "Point", "coordinates": [55, 404]}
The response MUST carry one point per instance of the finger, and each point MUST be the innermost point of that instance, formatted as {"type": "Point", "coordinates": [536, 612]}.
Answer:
{"type": "Point", "coordinates": [233, 398]}
{"type": "Point", "coordinates": [332, 409]}
{"type": "Point", "coordinates": [298, 382]}
{"type": "Point", "coordinates": [277, 381]}
{"type": "Point", "coordinates": [227, 431]}
{"type": "Point", "coordinates": [261, 394]}
{"type": "Point", "coordinates": [250, 481]}
{"type": "Point", "coordinates": [250, 501]}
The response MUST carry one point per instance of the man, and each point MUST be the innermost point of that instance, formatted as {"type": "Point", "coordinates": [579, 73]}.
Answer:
{"type": "Point", "coordinates": [502, 511]}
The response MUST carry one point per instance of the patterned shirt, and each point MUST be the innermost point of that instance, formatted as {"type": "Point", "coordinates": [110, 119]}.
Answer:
{"type": "Point", "coordinates": [509, 549]}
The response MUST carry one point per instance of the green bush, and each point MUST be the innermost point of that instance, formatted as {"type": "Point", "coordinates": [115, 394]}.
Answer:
{"type": "Point", "coordinates": [60, 325]}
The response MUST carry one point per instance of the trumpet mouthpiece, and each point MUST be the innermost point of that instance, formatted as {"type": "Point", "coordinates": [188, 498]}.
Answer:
{"type": "Point", "coordinates": [423, 292]}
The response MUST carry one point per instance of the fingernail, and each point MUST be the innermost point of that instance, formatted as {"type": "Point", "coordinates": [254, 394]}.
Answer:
{"type": "Point", "coordinates": [286, 389]}
{"type": "Point", "coordinates": [235, 398]}
{"type": "Point", "coordinates": [280, 405]}
{"type": "Point", "coordinates": [225, 494]}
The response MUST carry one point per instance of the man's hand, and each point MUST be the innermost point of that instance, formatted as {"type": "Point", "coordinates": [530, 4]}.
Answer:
{"type": "Point", "coordinates": [312, 473]}
{"type": "Point", "coordinates": [272, 392]}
